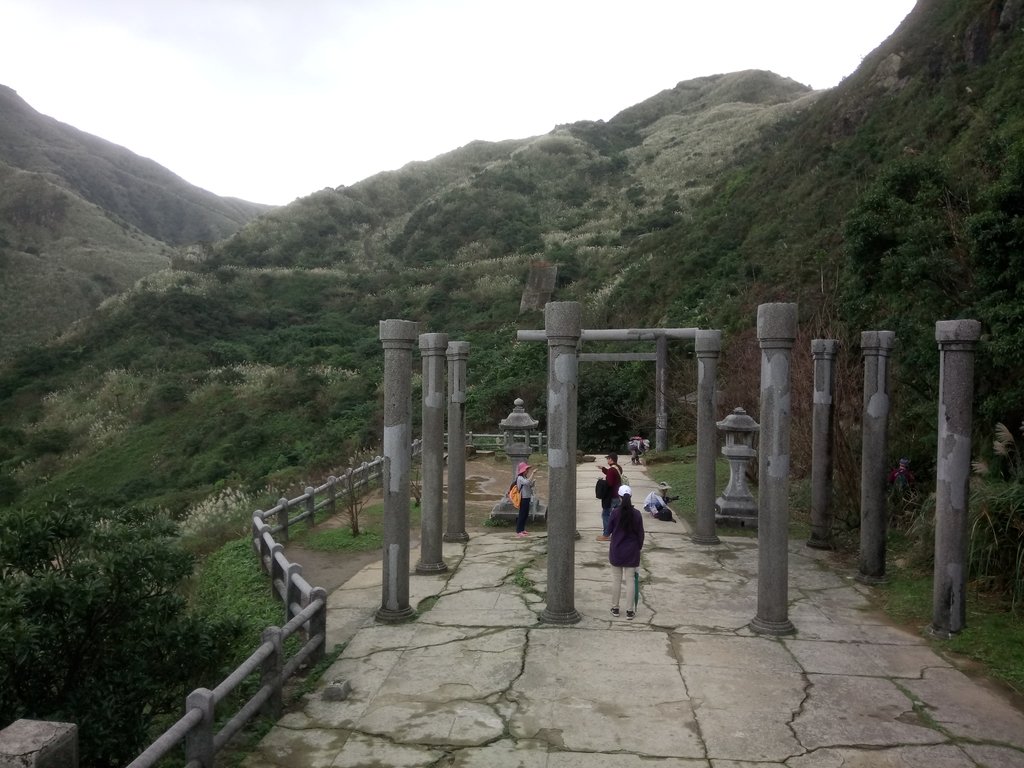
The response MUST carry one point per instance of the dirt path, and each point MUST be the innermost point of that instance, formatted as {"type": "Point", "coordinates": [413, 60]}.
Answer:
{"type": "Point", "coordinates": [486, 481]}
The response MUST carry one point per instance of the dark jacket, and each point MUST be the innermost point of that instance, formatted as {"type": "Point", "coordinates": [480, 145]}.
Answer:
{"type": "Point", "coordinates": [624, 550]}
{"type": "Point", "coordinates": [613, 476]}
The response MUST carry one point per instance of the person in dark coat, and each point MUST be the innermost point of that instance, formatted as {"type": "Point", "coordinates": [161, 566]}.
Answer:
{"type": "Point", "coordinates": [627, 534]}
{"type": "Point", "coordinates": [613, 476]}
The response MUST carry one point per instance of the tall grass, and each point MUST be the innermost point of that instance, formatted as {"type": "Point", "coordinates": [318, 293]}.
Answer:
{"type": "Point", "coordinates": [997, 519]}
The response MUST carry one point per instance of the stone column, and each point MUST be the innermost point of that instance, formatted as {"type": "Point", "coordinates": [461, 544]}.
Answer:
{"type": "Point", "coordinates": [398, 338]}
{"type": "Point", "coordinates": [957, 340]}
{"type": "Point", "coordinates": [875, 346]}
{"type": "Point", "coordinates": [562, 329]}
{"type": "Point", "coordinates": [458, 354]}
{"type": "Point", "coordinates": [432, 350]}
{"type": "Point", "coordinates": [708, 345]}
{"type": "Point", "coordinates": [822, 441]}
{"type": "Point", "coordinates": [776, 332]}
{"type": "Point", "coordinates": [661, 393]}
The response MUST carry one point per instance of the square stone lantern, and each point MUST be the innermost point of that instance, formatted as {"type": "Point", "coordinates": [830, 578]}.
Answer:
{"type": "Point", "coordinates": [517, 428]}
{"type": "Point", "coordinates": [737, 506]}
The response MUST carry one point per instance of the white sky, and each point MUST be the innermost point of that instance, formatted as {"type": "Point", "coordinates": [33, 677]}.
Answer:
{"type": "Point", "coordinates": [270, 100]}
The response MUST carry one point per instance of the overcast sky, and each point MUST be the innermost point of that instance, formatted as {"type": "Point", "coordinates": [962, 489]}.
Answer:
{"type": "Point", "coordinates": [270, 100]}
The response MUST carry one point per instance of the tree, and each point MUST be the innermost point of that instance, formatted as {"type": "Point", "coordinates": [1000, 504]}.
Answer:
{"type": "Point", "coordinates": [94, 628]}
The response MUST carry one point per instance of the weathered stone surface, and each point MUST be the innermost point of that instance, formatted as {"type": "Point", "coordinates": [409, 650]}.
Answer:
{"type": "Point", "coordinates": [477, 681]}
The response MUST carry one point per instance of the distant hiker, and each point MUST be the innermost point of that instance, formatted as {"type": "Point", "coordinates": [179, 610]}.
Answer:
{"type": "Point", "coordinates": [627, 536]}
{"type": "Point", "coordinates": [524, 484]}
{"type": "Point", "coordinates": [901, 478]}
{"type": "Point", "coordinates": [657, 503]}
{"type": "Point", "coordinates": [613, 478]}
{"type": "Point", "coordinates": [637, 447]}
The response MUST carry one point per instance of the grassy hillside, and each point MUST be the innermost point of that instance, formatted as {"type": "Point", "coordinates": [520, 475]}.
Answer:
{"type": "Point", "coordinates": [889, 202]}
{"type": "Point", "coordinates": [132, 188]}
{"type": "Point", "coordinates": [60, 256]}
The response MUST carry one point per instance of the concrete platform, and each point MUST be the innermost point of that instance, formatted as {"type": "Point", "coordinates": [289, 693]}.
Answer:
{"type": "Point", "coordinates": [477, 681]}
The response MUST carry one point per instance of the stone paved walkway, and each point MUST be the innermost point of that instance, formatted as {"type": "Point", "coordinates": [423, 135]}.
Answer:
{"type": "Point", "coordinates": [477, 681]}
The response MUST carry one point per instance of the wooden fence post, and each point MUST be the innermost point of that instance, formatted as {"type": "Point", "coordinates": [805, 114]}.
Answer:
{"type": "Point", "coordinates": [311, 506]}
{"type": "Point", "coordinates": [332, 495]}
{"type": "Point", "coordinates": [282, 516]}
{"type": "Point", "coordinates": [318, 624]}
{"type": "Point", "coordinates": [270, 673]}
{"type": "Point", "coordinates": [292, 593]}
{"type": "Point", "coordinates": [199, 741]}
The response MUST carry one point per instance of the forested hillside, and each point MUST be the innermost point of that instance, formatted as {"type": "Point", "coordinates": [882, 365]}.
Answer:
{"type": "Point", "coordinates": [888, 202]}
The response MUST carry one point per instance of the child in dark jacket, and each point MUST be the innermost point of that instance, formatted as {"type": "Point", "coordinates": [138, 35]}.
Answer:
{"type": "Point", "coordinates": [626, 526]}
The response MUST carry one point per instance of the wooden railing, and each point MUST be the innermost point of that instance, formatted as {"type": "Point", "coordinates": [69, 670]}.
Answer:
{"type": "Point", "coordinates": [305, 612]}
{"type": "Point", "coordinates": [496, 442]}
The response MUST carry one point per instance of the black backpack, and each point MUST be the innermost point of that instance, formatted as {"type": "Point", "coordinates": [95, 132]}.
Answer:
{"type": "Point", "coordinates": [601, 489]}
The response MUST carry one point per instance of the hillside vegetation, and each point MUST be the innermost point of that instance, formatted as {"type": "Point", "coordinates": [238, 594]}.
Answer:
{"type": "Point", "coordinates": [81, 219]}
{"type": "Point", "coordinates": [889, 202]}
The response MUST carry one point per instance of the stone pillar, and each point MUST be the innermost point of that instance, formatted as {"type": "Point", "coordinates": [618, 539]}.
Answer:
{"type": "Point", "coordinates": [822, 441]}
{"type": "Point", "coordinates": [398, 338]}
{"type": "Point", "coordinates": [661, 393]}
{"type": "Point", "coordinates": [957, 340]}
{"type": "Point", "coordinates": [432, 350]}
{"type": "Point", "coordinates": [708, 346]}
{"type": "Point", "coordinates": [875, 346]}
{"type": "Point", "coordinates": [458, 354]}
{"type": "Point", "coordinates": [563, 331]}
{"type": "Point", "coordinates": [776, 332]}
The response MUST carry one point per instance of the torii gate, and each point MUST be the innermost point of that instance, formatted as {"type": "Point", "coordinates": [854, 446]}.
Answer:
{"type": "Point", "coordinates": [659, 357]}
{"type": "Point", "coordinates": [564, 335]}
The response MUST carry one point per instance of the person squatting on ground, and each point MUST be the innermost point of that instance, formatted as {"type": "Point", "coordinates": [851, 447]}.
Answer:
{"type": "Point", "coordinates": [525, 483]}
{"type": "Point", "coordinates": [627, 534]}
{"type": "Point", "coordinates": [637, 447]}
{"type": "Point", "coordinates": [613, 476]}
{"type": "Point", "coordinates": [656, 504]}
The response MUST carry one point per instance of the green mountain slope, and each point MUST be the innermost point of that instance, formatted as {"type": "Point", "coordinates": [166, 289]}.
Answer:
{"type": "Point", "coordinates": [891, 201]}
{"type": "Point", "coordinates": [135, 189]}
{"type": "Point", "coordinates": [60, 256]}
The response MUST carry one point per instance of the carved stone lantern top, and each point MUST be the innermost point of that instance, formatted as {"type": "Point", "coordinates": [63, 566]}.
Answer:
{"type": "Point", "coordinates": [739, 429]}
{"type": "Point", "coordinates": [519, 420]}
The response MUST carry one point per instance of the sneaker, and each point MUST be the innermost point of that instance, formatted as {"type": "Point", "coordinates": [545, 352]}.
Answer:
{"type": "Point", "coordinates": [604, 538]}
{"type": "Point", "coordinates": [615, 611]}
{"type": "Point", "coordinates": [630, 615]}
{"type": "Point", "coordinates": [521, 534]}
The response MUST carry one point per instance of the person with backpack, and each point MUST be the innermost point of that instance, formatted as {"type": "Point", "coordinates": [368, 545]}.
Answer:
{"type": "Point", "coordinates": [656, 503]}
{"type": "Point", "coordinates": [613, 479]}
{"type": "Point", "coordinates": [627, 536]}
{"type": "Point", "coordinates": [524, 486]}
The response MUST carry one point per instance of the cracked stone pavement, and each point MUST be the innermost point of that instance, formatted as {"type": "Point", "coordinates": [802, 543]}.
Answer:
{"type": "Point", "coordinates": [477, 681]}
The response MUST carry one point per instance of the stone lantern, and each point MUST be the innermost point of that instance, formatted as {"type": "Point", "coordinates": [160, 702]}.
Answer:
{"type": "Point", "coordinates": [517, 428]}
{"type": "Point", "coordinates": [736, 505]}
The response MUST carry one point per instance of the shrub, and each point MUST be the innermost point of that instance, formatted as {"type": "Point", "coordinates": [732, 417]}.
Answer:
{"type": "Point", "coordinates": [94, 629]}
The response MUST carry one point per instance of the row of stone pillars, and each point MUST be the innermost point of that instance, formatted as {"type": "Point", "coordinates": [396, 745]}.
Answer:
{"type": "Point", "coordinates": [956, 340]}
{"type": "Point", "coordinates": [398, 337]}
{"type": "Point", "coordinates": [776, 332]}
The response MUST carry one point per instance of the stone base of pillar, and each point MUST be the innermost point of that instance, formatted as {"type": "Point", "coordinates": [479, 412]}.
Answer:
{"type": "Point", "coordinates": [818, 543]}
{"type": "Point", "coordinates": [941, 633]}
{"type": "Point", "coordinates": [702, 539]}
{"type": "Point", "coordinates": [506, 510]}
{"type": "Point", "coordinates": [774, 628]}
{"type": "Point", "coordinates": [428, 568]}
{"type": "Point", "coordinates": [738, 513]}
{"type": "Point", "coordinates": [455, 537]}
{"type": "Point", "coordinates": [560, 617]}
{"type": "Point", "coordinates": [388, 616]}
{"type": "Point", "coordinates": [871, 581]}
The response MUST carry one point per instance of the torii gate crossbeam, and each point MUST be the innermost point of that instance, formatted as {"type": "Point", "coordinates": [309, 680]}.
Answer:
{"type": "Point", "coordinates": [660, 357]}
